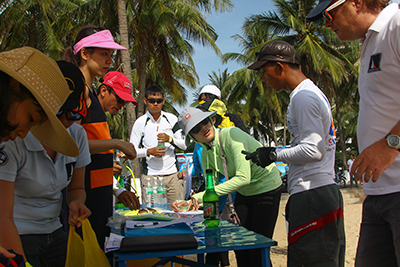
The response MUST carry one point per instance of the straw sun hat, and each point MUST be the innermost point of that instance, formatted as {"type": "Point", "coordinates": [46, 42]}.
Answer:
{"type": "Point", "coordinates": [43, 78]}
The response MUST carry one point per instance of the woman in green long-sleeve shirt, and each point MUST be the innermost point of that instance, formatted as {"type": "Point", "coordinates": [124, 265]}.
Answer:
{"type": "Point", "coordinates": [258, 189]}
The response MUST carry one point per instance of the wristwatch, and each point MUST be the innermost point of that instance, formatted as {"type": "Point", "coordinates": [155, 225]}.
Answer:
{"type": "Point", "coordinates": [272, 155]}
{"type": "Point", "coordinates": [393, 141]}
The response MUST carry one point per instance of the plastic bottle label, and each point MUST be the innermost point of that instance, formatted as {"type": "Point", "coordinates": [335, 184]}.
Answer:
{"type": "Point", "coordinates": [149, 190]}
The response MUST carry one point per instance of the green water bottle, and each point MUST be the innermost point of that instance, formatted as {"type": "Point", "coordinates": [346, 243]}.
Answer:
{"type": "Point", "coordinates": [210, 202]}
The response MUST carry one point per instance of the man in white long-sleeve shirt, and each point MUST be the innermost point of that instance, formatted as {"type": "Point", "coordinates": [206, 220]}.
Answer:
{"type": "Point", "coordinates": [154, 128]}
{"type": "Point", "coordinates": [315, 208]}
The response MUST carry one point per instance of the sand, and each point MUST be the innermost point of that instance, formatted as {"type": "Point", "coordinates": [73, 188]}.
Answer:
{"type": "Point", "coordinates": [353, 198]}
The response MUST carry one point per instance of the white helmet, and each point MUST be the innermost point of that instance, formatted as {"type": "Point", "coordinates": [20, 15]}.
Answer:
{"type": "Point", "coordinates": [211, 89]}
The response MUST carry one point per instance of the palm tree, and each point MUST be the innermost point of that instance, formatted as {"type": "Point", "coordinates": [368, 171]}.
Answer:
{"type": "Point", "coordinates": [158, 28]}
{"type": "Point", "coordinates": [245, 86]}
{"type": "Point", "coordinates": [317, 47]}
{"type": "Point", "coordinates": [39, 24]}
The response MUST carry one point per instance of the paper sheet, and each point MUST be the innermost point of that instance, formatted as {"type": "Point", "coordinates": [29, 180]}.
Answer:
{"type": "Point", "coordinates": [150, 225]}
{"type": "Point", "coordinates": [113, 242]}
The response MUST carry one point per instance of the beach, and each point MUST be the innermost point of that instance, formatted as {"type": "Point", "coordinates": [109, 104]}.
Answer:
{"type": "Point", "coordinates": [352, 197]}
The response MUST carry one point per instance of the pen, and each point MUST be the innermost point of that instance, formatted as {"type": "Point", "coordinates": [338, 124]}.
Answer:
{"type": "Point", "coordinates": [179, 197]}
{"type": "Point", "coordinates": [145, 224]}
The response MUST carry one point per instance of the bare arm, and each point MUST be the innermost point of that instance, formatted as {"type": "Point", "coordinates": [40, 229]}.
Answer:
{"type": "Point", "coordinates": [76, 197]}
{"type": "Point", "coordinates": [9, 237]}
{"type": "Point", "coordinates": [374, 159]}
{"type": "Point", "coordinates": [98, 146]}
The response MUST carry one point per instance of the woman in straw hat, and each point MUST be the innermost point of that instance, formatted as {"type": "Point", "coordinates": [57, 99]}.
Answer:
{"type": "Point", "coordinates": [258, 189]}
{"type": "Point", "coordinates": [92, 53]}
{"type": "Point", "coordinates": [32, 89]}
{"type": "Point", "coordinates": [32, 177]}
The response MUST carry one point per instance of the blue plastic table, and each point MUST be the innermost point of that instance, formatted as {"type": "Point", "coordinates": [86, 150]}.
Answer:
{"type": "Point", "coordinates": [227, 237]}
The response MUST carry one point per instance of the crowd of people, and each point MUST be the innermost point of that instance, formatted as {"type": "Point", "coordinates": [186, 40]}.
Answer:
{"type": "Point", "coordinates": [56, 151]}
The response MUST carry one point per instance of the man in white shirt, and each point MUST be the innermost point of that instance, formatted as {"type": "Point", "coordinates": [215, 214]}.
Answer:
{"type": "Point", "coordinates": [377, 25]}
{"type": "Point", "coordinates": [155, 140]}
{"type": "Point", "coordinates": [349, 165]}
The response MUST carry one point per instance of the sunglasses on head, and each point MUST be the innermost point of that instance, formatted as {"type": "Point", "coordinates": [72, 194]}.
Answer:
{"type": "Point", "coordinates": [154, 100]}
{"type": "Point", "coordinates": [70, 115]}
{"type": "Point", "coordinates": [327, 16]}
{"type": "Point", "coordinates": [196, 129]}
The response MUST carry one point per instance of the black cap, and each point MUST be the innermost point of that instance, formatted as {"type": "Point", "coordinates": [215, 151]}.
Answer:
{"type": "Point", "coordinates": [76, 100]}
{"type": "Point", "coordinates": [316, 13]}
{"type": "Point", "coordinates": [275, 51]}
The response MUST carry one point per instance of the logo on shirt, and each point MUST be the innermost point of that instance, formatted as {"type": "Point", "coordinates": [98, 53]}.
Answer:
{"type": "Point", "coordinates": [3, 158]}
{"type": "Point", "coordinates": [375, 63]}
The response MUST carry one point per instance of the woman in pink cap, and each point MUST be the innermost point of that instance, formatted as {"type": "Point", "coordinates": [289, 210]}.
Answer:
{"type": "Point", "coordinates": [92, 53]}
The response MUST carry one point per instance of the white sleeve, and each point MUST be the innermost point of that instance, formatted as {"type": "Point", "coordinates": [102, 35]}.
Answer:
{"type": "Point", "coordinates": [311, 147]}
{"type": "Point", "coordinates": [136, 136]}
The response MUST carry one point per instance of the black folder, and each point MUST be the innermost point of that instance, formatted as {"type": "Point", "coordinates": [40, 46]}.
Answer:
{"type": "Point", "coordinates": [158, 242]}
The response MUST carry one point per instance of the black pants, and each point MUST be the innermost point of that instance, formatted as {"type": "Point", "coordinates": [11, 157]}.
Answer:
{"type": "Point", "coordinates": [257, 213]}
{"type": "Point", "coordinates": [215, 258]}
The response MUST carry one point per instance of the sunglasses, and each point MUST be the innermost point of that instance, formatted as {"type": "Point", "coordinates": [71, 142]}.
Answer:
{"type": "Point", "coordinates": [327, 16]}
{"type": "Point", "coordinates": [196, 129]}
{"type": "Point", "coordinates": [119, 100]}
{"type": "Point", "coordinates": [70, 115]}
{"type": "Point", "coordinates": [154, 100]}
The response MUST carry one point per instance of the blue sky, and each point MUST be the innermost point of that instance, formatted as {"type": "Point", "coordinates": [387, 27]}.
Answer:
{"type": "Point", "coordinates": [226, 25]}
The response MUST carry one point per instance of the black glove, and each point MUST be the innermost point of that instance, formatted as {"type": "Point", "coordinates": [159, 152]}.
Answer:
{"type": "Point", "coordinates": [261, 156]}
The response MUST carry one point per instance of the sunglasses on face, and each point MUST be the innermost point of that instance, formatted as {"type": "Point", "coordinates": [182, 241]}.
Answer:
{"type": "Point", "coordinates": [154, 100]}
{"type": "Point", "coordinates": [327, 16]}
{"type": "Point", "coordinates": [119, 100]}
{"type": "Point", "coordinates": [196, 129]}
{"type": "Point", "coordinates": [70, 115]}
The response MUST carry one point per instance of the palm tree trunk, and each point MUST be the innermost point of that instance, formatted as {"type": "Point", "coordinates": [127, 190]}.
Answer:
{"type": "Point", "coordinates": [141, 72]}
{"type": "Point", "coordinates": [126, 60]}
{"type": "Point", "coordinates": [127, 70]}
{"type": "Point", "coordinates": [32, 30]}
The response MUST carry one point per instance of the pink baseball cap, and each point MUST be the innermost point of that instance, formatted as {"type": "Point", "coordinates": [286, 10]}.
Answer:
{"type": "Point", "coordinates": [121, 85]}
{"type": "Point", "coordinates": [102, 39]}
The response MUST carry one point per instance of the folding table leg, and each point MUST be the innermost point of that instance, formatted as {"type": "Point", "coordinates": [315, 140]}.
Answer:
{"type": "Point", "coordinates": [265, 257]}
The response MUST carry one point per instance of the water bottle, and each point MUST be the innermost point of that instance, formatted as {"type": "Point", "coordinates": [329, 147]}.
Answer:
{"type": "Point", "coordinates": [163, 195]}
{"type": "Point", "coordinates": [161, 144]}
{"type": "Point", "coordinates": [148, 193]}
{"type": "Point", "coordinates": [156, 196]}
